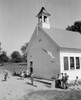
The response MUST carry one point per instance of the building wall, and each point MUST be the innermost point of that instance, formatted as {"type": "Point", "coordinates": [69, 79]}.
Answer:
{"type": "Point", "coordinates": [70, 53]}
{"type": "Point", "coordinates": [44, 66]}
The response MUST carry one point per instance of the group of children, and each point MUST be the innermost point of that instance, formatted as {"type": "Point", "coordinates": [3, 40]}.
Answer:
{"type": "Point", "coordinates": [62, 81]}
{"type": "Point", "coordinates": [29, 74]}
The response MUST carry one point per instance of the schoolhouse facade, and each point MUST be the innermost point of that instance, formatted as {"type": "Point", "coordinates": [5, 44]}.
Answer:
{"type": "Point", "coordinates": [53, 51]}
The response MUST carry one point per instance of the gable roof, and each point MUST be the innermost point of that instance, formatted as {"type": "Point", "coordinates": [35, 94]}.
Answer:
{"type": "Point", "coordinates": [43, 11]}
{"type": "Point", "coordinates": [64, 38]}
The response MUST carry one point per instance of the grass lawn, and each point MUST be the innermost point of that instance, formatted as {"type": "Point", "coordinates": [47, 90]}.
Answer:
{"type": "Point", "coordinates": [11, 66]}
{"type": "Point", "coordinates": [54, 95]}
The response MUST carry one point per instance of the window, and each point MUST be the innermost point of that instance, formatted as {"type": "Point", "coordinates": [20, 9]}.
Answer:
{"type": "Point", "coordinates": [45, 18]}
{"type": "Point", "coordinates": [72, 63]}
{"type": "Point", "coordinates": [40, 18]}
{"type": "Point", "coordinates": [66, 65]}
{"type": "Point", "coordinates": [77, 63]}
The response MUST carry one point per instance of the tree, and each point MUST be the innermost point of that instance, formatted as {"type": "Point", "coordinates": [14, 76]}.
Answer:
{"type": "Point", "coordinates": [16, 57]}
{"type": "Point", "coordinates": [4, 57]}
{"type": "Point", "coordinates": [23, 49]}
{"type": "Point", "coordinates": [24, 58]}
{"type": "Point", "coordinates": [75, 27]}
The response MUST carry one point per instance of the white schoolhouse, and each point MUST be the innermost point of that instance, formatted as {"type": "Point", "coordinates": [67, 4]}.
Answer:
{"type": "Point", "coordinates": [53, 51]}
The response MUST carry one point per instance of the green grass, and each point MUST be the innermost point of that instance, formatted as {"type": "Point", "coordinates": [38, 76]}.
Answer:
{"type": "Point", "coordinates": [54, 95]}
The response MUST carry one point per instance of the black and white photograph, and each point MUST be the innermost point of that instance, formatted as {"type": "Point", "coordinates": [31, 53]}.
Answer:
{"type": "Point", "coordinates": [40, 49]}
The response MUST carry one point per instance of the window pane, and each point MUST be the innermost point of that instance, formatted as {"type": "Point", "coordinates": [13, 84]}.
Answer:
{"type": "Point", "coordinates": [66, 67]}
{"type": "Point", "coordinates": [77, 63]}
{"type": "Point", "coordinates": [72, 63]}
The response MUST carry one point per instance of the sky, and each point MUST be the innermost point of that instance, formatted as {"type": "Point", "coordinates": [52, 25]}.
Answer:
{"type": "Point", "coordinates": [18, 19]}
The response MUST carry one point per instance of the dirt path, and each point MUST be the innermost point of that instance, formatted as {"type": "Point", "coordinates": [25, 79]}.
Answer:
{"type": "Point", "coordinates": [15, 88]}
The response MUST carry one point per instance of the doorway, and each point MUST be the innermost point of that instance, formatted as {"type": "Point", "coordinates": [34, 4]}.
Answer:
{"type": "Point", "coordinates": [31, 67]}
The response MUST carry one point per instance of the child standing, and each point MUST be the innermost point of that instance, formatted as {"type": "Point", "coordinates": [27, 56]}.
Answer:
{"type": "Point", "coordinates": [76, 81]}
{"type": "Point", "coordinates": [32, 78]}
{"type": "Point", "coordinates": [5, 76]}
{"type": "Point", "coordinates": [62, 80]}
{"type": "Point", "coordinates": [66, 81]}
{"type": "Point", "coordinates": [22, 74]}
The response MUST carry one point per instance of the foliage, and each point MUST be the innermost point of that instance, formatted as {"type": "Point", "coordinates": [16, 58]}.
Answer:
{"type": "Point", "coordinates": [16, 57]}
{"type": "Point", "coordinates": [23, 48]}
{"type": "Point", "coordinates": [75, 27]}
{"type": "Point", "coordinates": [4, 57]}
{"type": "Point", "coordinates": [24, 58]}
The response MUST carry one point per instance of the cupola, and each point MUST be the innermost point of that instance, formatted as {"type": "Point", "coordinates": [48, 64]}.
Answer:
{"type": "Point", "coordinates": [43, 18]}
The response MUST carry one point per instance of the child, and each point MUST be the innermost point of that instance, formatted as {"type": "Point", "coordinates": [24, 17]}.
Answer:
{"type": "Point", "coordinates": [58, 81]}
{"type": "Point", "coordinates": [76, 81]}
{"type": "Point", "coordinates": [66, 81]}
{"type": "Point", "coordinates": [28, 72]}
{"type": "Point", "coordinates": [22, 74]}
{"type": "Point", "coordinates": [5, 76]}
{"type": "Point", "coordinates": [62, 80]}
{"type": "Point", "coordinates": [32, 78]}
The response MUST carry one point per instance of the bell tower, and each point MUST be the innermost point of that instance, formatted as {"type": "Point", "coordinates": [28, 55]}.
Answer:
{"type": "Point", "coordinates": [43, 18]}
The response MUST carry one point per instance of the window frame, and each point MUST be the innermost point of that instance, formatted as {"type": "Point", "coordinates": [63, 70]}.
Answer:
{"type": "Point", "coordinates": [73, 63]}
{"type": "Point", "coordinates": [76, 63]}
{"type": "Point", "coordinates": [69, 63]}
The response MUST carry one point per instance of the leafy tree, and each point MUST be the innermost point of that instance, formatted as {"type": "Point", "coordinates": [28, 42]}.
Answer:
{"type": "Point", "coordinates": [4, 57]}
{"type": "Point", "coordinates": [24, 58]}
{"type": "Point", "coordinates": [23, 49]}
{"type": "Point", "coordinates": [75, 27]}
{"type": "Point", "coordinates": [16, 57]}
